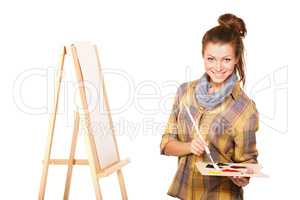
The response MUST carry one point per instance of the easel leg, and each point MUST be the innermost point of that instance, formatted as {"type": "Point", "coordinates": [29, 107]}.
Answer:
{"type": "Point", "coordinates": [96, 186]}
{"type": "Point", "coordinates": [51, 129]}
{"type": "Point", "coordinates": [91, 161]}
{"type": "Point", "coordinates": [122, 184]}
{"type": "Point", "coordinates": [72, 155]}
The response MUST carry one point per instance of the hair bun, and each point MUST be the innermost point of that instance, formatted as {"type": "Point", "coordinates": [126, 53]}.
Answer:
{"type": "Point", "coordinates": [232, 21]}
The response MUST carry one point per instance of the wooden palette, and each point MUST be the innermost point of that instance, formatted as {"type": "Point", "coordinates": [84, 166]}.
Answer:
{"type": "Point", "coordinates": [231, 169]}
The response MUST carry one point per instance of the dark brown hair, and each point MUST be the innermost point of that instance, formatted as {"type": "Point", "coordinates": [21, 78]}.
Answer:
{"type": "Point", "coordinates": [231, 29]}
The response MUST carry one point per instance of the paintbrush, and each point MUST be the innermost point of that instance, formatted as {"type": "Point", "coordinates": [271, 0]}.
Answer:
{"type": "Point", "coordinates": [207, 151]}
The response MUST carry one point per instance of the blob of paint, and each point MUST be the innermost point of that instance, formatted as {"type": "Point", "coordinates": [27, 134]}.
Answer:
{"type": "Point", "coordinates": [237, 167]}
{"type": "Point", "coordinates": [230, 170]}
{"type": "Point", "coordinates": [214, 172]}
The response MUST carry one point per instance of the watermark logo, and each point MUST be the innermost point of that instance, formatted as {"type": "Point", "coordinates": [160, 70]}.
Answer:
{"type": "Point", "coordinates": [148, 98]}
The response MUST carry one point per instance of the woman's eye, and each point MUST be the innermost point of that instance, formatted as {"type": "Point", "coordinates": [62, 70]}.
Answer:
{"type": "Point", "coordinates": [227, 59]}
{"type": "Point", "coordinates": [210, 59]}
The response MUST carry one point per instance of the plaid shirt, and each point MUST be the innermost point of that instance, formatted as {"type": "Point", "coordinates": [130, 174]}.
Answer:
{"type": "Point", "coordinates": [229, 130]}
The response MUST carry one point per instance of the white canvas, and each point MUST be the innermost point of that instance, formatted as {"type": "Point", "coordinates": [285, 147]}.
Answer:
{"type": "Point", "coordinates": [99, 112]}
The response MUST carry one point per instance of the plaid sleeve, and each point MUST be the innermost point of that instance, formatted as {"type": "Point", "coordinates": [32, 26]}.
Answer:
{"type": "Point", "coordinates": [245, 137]}
{"type": "Point", "coordinates": [171, 130]}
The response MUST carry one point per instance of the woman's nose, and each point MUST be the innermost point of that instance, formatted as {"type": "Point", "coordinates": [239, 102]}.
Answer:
{"type": "Point", "coordinates": [218, 66]}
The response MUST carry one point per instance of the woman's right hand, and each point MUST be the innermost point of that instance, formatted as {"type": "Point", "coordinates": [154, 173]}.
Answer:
{"type": "Point", "coordinates": [197, 146]}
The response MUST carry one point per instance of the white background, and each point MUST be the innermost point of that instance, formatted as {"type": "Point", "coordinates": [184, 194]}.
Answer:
{"type": "Point", "coordinates": [147, 49]}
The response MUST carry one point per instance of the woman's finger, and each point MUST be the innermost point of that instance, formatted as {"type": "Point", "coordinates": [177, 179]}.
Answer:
{"type": "Point", "coordinates": [200, 145]}
{"type": "Point", "coordinates": [200, 149]}
{"type": "Point", "coordinates": [200, 142]}
{"type": "Point", "coordinates": [196, 149]}
{"type": "Point", "coordinates": [196, 145]}
{"type": "Point", "coordinates": [234, 180]}
{"type": "Point", "coordinates": [240, 181]}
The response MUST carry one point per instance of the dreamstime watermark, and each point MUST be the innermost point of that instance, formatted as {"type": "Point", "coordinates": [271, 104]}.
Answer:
{"type": "Point", "coordinates": [140, 96]}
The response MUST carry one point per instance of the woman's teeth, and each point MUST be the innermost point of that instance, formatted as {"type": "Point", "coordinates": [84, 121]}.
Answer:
{"type": "Point", "coordinates": [218, 73]}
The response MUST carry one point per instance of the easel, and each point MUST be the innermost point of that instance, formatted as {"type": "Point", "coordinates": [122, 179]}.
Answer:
{"type": "Point", "coordinates": [97, 171]}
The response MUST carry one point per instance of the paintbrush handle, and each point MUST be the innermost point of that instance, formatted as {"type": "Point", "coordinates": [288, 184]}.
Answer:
{"type": "Point", "coordinates": [199, 134]}
{"type": "Point", "coordinates": [197, 130]}
{"type": "Point", "coordinates": [207, 149]}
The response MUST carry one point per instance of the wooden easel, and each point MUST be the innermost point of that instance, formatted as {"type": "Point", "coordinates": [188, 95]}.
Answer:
{"type": "Point", "coordinates": [97, 171]}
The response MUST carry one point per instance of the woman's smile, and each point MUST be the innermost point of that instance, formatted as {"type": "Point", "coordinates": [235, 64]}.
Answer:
{"type": "Point", "coordinates": [218, 74]}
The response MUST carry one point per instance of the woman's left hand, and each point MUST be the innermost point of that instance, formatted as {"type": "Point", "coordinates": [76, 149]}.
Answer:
{"type": "Point", "coordinates": [240, 181]}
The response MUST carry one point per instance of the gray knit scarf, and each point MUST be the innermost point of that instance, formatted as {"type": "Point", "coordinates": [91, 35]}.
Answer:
{"type": "Point", "coordinates": [211, 100]}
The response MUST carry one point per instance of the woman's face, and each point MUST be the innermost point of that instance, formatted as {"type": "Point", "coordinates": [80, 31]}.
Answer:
{"type": "Point", "coordinates": [219, 61]}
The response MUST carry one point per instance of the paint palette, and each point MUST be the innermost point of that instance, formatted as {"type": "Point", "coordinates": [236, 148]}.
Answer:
{"type": "Point", "coordinates": [231, 169]}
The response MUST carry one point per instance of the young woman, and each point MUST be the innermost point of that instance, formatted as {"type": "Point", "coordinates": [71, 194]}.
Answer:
{"type": "Point", "coordinates": [226, 116]}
